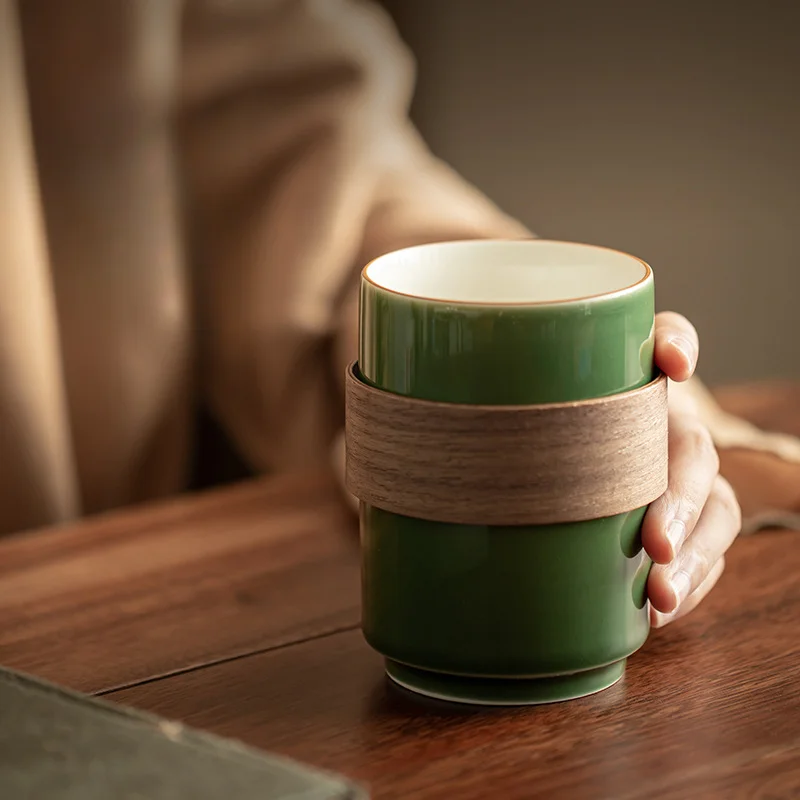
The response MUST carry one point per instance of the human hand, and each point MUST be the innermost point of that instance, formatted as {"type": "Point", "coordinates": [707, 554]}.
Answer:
{"type": "Point", "coordinates": [688, 530]}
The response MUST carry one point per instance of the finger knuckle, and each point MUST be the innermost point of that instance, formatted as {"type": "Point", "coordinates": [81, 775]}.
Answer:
{"type": "Point", "coordinates": [668, 505]}
{"type": "Point", "coordinates": [688, 507]}
{"type": "Point", "coordinates": [700, 565]}
{"type": "Point", "coordinates": [702, 444]}
{"type": "Point", "coordinates": [680, 502]}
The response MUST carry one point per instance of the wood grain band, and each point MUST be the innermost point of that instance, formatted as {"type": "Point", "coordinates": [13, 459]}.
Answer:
{"type": "Point", "coordinates": [506, 465]}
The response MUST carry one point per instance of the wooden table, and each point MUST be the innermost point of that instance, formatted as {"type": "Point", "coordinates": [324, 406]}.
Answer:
{"type": "Point", "coordinates": [237, 611]}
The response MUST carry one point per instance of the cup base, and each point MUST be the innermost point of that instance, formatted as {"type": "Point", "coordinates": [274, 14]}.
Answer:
{"type": "Point", "coordinates": [504, 692]}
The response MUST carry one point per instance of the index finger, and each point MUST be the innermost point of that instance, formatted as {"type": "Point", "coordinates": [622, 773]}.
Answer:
{"type": "Point", "coordinates": [677, 346]}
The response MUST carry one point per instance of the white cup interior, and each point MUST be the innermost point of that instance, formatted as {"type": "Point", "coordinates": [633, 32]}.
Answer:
{"type": "Point", "coordinates": [506, 272]}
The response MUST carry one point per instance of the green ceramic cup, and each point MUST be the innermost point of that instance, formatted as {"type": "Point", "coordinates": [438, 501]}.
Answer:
{"type": "Point", "coordinates": [505, 615]}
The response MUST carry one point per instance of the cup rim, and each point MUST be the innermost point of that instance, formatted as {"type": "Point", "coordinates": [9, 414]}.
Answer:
{"type": "Point", "coordinates": [648, 274]}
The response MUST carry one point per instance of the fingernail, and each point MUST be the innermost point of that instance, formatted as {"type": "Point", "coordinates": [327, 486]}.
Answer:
{"type": "Point", "coordinates": [660, 619]}
{"type": "Point", "coordinates": [681, 584]}
{"type": "Point", "coordinates": [686, 346]}
{"type": "Point", "coordinates": [676, 533]}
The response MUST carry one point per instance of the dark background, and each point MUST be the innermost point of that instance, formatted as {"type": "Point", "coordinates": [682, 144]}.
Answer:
{"type": "Point", "coordinates": [671, 130]}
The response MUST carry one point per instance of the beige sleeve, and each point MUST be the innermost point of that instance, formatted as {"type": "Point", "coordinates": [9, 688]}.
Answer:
{"type": "Point", "coordinates": [300, 165]}
{"type": "Point", "coordinates": [419, 199]}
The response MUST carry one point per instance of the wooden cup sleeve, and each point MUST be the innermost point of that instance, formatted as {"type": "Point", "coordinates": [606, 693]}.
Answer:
{"type": "Point", "coordinates": [506, 465]}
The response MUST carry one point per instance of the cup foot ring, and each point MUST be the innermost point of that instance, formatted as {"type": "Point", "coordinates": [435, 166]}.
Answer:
{"type": "Point", "coordinates": [504, 692]}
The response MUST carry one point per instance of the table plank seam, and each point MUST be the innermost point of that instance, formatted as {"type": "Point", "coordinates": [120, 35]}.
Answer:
{"type": "Point", "coordinates": [224, 660]}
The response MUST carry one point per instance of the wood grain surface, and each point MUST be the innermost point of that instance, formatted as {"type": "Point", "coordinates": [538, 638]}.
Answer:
{"type": "Point", "coordinates": [762, 481]}
{"type": "Point", "coordinates": [130, 595]}
{"type": "Point", "coordinates": [237, 611]}
{"type": "Point", "coordinates": [506, 465]}
{"type": "Point", "coordinates": [773, 406]}
{"type": "Point", "coordinates": [709, 709]}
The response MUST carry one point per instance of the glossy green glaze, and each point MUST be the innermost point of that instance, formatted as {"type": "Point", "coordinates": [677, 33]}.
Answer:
{"type": "Point", "coordinates": [538, 354]}
{"type": "Point", "coordinates": [521, 602]}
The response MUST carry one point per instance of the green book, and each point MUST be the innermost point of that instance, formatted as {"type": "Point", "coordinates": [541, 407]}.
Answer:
{"type": "Point", "coordinates": [57, 744]}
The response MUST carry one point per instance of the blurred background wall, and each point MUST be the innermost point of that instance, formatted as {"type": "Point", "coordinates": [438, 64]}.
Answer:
{"type": "Point", "coordinates": [670, 130]}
